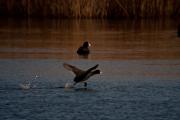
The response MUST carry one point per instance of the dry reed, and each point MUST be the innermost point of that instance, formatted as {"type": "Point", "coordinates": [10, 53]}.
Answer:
{"type": "Point", "coordinates": [91, 8]}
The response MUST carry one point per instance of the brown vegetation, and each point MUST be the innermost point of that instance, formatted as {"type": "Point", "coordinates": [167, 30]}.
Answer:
{"type": "Point", "coordinates": [91, 8]}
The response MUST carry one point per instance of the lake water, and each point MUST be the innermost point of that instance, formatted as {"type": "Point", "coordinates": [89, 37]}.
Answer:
{"type": "Point", "coordinates": [140, 61]}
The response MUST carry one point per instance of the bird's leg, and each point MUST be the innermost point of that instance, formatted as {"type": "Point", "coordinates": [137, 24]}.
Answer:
{"type": "Point", "coordinates": [85, 84]}
{"type": "Point", "coordinates": [74, 84]}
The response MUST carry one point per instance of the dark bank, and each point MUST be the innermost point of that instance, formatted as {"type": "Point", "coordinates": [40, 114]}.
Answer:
{"type": "Point", "coordinates": [91, 8]}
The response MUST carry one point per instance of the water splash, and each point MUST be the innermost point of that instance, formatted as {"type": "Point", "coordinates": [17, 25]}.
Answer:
{"type": "Point", "coordinates": [28, 84]}
{"type": "Point", "coordinates": [69, 85]}
{"type": "Point", "coordinates": [25, 86]}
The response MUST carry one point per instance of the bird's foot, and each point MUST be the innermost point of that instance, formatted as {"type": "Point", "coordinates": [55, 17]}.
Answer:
{"type": "Point", "coordinates": [85, 84]}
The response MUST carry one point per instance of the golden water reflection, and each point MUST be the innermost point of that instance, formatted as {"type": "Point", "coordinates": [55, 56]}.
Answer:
{"type": "Point", "coordinates": [110, 39]}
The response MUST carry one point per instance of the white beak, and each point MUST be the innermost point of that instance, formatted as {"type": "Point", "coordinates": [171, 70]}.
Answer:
{"type": "Point", "coordinates": [89, 44]}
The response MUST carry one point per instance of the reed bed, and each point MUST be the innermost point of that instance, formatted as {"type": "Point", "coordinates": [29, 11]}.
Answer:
{"type": "Point", "coordinates": [91, 8]}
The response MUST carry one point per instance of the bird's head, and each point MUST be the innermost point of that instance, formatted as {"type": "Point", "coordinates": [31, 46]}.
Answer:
{"type": "Point", "coordinates": [86, 44]}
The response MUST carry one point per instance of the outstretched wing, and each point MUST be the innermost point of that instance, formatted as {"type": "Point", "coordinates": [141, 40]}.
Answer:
{"type": "Point", "coordinates": [74, 69]}
{"type": "Point", "coordinates": [93, 68]}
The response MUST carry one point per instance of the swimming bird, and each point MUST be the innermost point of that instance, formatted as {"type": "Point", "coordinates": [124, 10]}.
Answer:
{"type": "Point", "coordinates": [82, 75]}
{"type": "Point", "coordinates": [84, 49]}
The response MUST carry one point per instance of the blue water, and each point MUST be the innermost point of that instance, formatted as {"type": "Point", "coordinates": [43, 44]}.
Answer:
{"type": "Point", "coordinates": [127, 90]}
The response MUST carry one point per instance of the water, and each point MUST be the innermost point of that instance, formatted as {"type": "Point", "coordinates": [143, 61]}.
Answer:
{"type": "Point", "coordinates": [140, 63]}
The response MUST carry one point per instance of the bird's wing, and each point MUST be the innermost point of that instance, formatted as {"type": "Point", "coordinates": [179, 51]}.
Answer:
{"type": "Point", "coordinates": [79, 50]}
{"type": "Point", "coordinates": [90, 69]}
{"type": "Point", "coordinates": [74, 69]}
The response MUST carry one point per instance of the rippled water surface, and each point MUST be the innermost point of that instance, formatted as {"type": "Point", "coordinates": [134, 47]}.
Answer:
{"type": "Point", "coordinates": [140, 61]}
